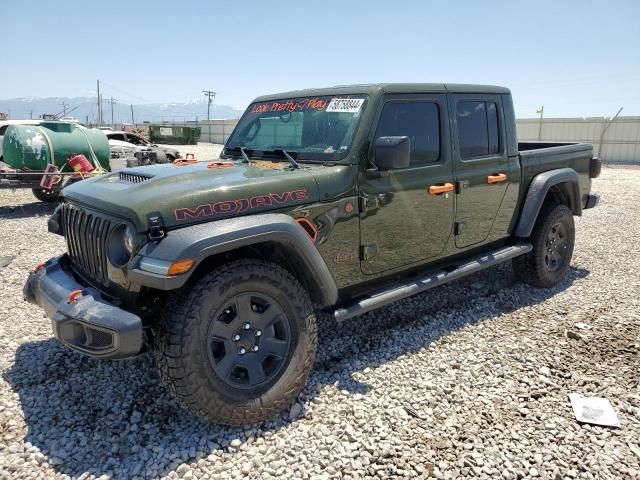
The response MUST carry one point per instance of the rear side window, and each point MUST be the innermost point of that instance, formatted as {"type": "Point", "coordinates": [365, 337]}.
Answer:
{"type": "Point", "coordinates": [477, 128]}
{"type": "Point", "coordinates": [420, 121]}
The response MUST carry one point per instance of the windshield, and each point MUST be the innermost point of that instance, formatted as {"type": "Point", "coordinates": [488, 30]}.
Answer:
{"type": "Point", "coordinates": [315, 128]}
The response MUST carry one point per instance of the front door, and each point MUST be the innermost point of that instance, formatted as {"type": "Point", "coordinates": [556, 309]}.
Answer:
{"type": "Point", "coordinates": [407, 215]}
{"type": "Point", "coordinates": [480, 162]}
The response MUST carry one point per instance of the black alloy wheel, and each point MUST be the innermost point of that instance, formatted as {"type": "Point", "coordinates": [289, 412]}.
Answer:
{"type": "Point", "coordinates": [556, 247]}
{"type": "Point", "coordinates": [249, 340]}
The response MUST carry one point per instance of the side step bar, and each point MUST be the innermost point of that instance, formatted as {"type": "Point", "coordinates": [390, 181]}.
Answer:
{"type": "Point", "coordinates": [430, 280]}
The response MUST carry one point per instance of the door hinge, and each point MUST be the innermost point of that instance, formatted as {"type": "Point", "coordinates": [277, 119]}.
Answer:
{"type": "Point", "coordinates": [458, 228]}
{"type": "Point", "coordinates": [368, 252]}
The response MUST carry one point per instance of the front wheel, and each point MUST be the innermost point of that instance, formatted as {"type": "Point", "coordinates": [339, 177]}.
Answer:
{"type": "Point", "coordinates": [553, 239]}
{"type": "Point", "coordinates": [46, 195]}
{"type": "Point", "coordinates": [237, 347]}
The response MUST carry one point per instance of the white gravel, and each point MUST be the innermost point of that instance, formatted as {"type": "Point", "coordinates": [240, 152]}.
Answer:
{"type": "Point", "coordinates": [202, 151]}
{"type": "Point", "coordinates": [470, 380]}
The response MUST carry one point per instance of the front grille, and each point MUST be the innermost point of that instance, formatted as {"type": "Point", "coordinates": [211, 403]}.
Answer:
{"type": "Point", "coordinates": [87, 235]}
{"type": "Point", "coordinates": [133, 177]}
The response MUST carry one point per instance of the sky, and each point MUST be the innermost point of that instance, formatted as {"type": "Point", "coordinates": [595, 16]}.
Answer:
{"type": "Point", "coordinates": [577, 58]}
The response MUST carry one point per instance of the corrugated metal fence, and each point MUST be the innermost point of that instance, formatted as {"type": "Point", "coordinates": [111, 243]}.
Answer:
{"type": "Point", "coordinates": [613, 140]}
{"type": "Point", "coordinates": [218, 131]}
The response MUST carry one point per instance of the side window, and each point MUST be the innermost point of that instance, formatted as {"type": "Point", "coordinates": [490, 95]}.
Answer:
{"type": "Point", "coordinates": [3, 129]}
{"type": "Point", "coordinates": [420, 121]}
{"type": "Point", "coordinates": [477, 128]}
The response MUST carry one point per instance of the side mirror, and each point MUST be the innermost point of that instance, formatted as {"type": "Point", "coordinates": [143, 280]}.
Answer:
{"type": "Point", "coordinates": [392, 152]}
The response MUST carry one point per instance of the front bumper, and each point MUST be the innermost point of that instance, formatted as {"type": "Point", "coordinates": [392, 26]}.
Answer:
{"type": "Point", "coordinates": [87, 324]}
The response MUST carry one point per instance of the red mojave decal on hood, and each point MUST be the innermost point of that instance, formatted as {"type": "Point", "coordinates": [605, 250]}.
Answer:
{"type": "Point", "coordinates": [228, 207]}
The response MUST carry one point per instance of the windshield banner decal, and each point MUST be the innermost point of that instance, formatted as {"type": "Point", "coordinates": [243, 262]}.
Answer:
{"type": "Point", "coordinates": [290, 105]}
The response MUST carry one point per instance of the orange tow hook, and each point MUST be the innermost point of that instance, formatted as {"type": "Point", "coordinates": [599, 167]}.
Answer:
{"type": "Point", "coordinates": [39, 267]}
{"type": "Point", "coordinates": [73, 296]}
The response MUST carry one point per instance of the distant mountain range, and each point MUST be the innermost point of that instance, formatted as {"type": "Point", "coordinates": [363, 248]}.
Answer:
{"type": "Point", "coordinates": [85, 109]}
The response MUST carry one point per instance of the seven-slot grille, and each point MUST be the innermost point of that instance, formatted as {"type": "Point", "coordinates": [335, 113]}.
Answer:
{"type": "Point", "coordinates": [133, 177]}
{"type": "Point", "coordinates": [87, 235]}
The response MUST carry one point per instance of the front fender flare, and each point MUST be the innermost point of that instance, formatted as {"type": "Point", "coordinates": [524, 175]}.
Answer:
{"type": "Point", "coordinates": [198, 242]}
{"type": "Point", "coordinates": [537, 192]}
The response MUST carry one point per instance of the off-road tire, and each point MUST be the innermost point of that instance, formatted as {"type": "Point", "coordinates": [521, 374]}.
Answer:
{"type": "Point", "coordinates": [182, 352]}
{"type": "Point", "coordinates": [48, 196]}
{"type": "Point", "coordinates": [532, 268]}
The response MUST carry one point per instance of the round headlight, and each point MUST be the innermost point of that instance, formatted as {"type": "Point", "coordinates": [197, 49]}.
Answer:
{"type": "Point", "coordinates": [127, 240]}
{"type": "Point", "coordinates": [120, 246]}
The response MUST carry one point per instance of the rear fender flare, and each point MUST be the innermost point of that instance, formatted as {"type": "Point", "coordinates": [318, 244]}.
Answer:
{"type": "Point", "coordinates": [199, 242]}
{"type": "Point", "coordinates": [537, 192]}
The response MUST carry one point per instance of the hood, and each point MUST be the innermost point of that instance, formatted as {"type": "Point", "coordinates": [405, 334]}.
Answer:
{"type": "Point", "coordinates": [195, 193]}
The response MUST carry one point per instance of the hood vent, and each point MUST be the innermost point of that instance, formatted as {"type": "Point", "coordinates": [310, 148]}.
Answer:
{"type": "Point", "coordinates": [132, 177]}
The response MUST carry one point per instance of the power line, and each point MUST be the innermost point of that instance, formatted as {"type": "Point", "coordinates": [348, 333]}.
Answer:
{"type": "Point", "coordinates": [128, 94]}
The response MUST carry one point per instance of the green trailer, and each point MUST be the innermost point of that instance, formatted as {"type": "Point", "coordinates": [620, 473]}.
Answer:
{"type": "Point", "coordinates": [36, 155]}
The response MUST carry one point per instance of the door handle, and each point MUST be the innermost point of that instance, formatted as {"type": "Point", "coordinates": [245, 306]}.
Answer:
{"type": "Point", "coordinates": [441, 188]}
{"type": "Point", "coordinates": [497, 178]}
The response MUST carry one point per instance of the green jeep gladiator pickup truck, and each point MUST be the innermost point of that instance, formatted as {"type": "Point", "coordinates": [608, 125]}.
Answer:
{"type": "Point", "coordinates": [331, 201]}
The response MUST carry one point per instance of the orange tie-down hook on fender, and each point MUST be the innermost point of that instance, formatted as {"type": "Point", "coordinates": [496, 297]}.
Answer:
{"type": "Point", "coordinates": [440, 188]}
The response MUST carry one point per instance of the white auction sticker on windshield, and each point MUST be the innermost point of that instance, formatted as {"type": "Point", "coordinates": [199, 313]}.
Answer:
{"type": "Point", "coordinates": [345, 105]}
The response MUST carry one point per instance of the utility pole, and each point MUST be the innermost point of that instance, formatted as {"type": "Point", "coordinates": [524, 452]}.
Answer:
{"type": "Point", "coordinates": [112, 102]}
{"type": "Point", "coordinates": [64, 109]}
{"type": "Point", "coordinates": [31, 114]}
{"type": "Point", "coordinates": [211, 97]}
{"type": "Point", "coordinates": [99, 106]}
{"type": "Point", "coordinates": [133, 121]}
{"type": "Point", "coordinates": [541, 112]}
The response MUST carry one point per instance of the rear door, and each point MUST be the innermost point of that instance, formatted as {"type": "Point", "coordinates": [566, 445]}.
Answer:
{"type": "Point", "coordinates": [481, 164]}
{"type": "Point", "coordinates": [401, 222]}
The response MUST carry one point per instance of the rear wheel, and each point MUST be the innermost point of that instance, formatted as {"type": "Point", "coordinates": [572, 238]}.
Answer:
{"type": "Point", "coordinates": [237, 347]}
{"type": "Point", "coordinates": [553, 239]}
{"type": "Point", "coordinates": [46, 195]}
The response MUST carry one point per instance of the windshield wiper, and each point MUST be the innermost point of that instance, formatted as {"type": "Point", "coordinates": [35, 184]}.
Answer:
{"type": "Point", "coordinates": [293, 163]}
{"type": "Point", "coordinates": [286, 155]}
{"type": "Point", "coordinates": [244, 155]}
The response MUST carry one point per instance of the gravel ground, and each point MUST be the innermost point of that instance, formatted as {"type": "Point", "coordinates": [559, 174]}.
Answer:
{"type": "Point", "coordinates": [470, 380]}
{"type": "Point", "coordinates": [202, 151]}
